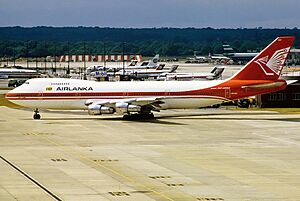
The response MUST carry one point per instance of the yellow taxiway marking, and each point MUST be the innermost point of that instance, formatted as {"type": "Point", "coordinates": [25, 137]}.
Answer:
{"type": "Point", "coordinates": [76, 153]}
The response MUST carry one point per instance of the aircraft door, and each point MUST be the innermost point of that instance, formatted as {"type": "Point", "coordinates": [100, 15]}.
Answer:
{"type": "Point", "coordinates": [125, 93]}
{"type": "Point", "coordinates": [227, 92]}
{"type": "Point", "coordinates": [167, 93]}
{"type": "Point", "coordinates": [41, 93]}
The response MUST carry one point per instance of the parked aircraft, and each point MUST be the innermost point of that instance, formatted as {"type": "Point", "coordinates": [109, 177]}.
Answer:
{"type": "Point", "coordinates": [197, 59]}
{"type": "Point", "coordinates": [147, 73]}
{"type": "Point", "coordinates": [218, 57]}
{"type": "Point", "coordinates": [152, 64]}
{"type": "Point", "coordinates": [216, 73]}
{"type": "Point", "coordinates": [129, 73]}
{"type": "Point", "coordinates": [259, 76]}
{"type": "Point", "coordinates": [133, 63]}
{"type": "Point", "coordinates": [6, 73]}
{"type": "Point", "coordinates": [237, 57]}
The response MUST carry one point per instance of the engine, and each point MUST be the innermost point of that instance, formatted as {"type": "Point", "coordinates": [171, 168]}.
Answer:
{"type": "Point", "coordinates": [99, 109]}
{"type": "Point", "coordinates": [123, 108]}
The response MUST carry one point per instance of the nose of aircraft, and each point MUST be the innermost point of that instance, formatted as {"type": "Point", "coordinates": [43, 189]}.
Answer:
{"type": "Point", "coordinates": [12, 94]}
{"type": "Point", "coordinates": [9, 93]}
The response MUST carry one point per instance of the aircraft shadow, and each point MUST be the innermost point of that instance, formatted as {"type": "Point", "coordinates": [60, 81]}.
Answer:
{"type": "Point", "coordinates": [182, 116]}
{"type": "Point", "coordinates": [240, 118]}
{"type": "Point", "coordinates": [163, 119]}
{"type": "Point", "coordinates": [154, 121]}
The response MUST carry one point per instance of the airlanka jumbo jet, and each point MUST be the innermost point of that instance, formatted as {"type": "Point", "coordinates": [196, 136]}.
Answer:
{"type": "Point", "coordinates": [259, 76]}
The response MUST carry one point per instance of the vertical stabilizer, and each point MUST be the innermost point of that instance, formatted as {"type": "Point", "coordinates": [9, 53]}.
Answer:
{"type": "Point", "coordinates": [154, 61]}
{"type": "Point", "coordinates": [268, 64]}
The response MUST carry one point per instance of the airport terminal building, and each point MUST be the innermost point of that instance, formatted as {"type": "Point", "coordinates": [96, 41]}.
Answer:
{"type": "Point", "coordinates": [288, 98]}
{"type": "Point", "coordinates": [294, 57]}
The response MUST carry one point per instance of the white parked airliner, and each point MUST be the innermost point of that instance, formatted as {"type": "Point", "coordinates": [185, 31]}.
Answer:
{"type": "Point", "coordinates": [259, 76]}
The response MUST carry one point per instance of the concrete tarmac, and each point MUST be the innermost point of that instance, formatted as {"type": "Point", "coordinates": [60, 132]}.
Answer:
{"type": "Point", "coordinates": [182, 155]}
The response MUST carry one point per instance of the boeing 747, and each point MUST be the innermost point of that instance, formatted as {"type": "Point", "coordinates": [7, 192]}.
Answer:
{"type": "Point", "coordinates": [259, 76]}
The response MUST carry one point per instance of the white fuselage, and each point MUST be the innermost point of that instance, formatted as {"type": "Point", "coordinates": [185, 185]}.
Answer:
{"type": "Point", "coordinates": [59, 93]}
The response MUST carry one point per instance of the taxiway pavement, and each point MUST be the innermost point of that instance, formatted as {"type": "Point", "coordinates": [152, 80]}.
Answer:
{"type": "Point", "coordinates": [210, 154]}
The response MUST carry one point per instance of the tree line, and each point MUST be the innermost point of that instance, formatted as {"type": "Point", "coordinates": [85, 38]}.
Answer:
{"type": "Point", "coordinates": [49, 41]}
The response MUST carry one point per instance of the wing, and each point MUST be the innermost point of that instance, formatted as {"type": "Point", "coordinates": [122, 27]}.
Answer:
{"type": "Point", "coordinates": [150, 103]}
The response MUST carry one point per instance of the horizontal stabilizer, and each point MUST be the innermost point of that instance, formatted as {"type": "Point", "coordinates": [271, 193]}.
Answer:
{"type": "Point", "coordinates": [291, 81]}
{"type": "Point", "coordinates": [264, 86]}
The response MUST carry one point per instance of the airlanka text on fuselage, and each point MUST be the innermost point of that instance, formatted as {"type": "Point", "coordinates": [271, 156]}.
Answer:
{"type": "Point", "coordinates": [74, 89]}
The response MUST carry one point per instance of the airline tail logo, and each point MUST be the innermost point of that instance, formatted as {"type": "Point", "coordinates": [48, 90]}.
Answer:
{"type": "Point", "coordinates": [155, 59]}
{"type": "Point", "coordinates": [275, 63]}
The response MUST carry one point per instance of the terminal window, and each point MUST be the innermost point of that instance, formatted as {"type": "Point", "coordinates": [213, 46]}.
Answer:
{"type": "Point", "coordinates": [296, 96]}
{"type": "Point", "coordinates": [277, 97]}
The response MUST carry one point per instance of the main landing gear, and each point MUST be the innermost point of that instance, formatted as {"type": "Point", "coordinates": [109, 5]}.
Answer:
{"type": "Point", "coordinates": [138, 116]}
{"type": "Point", "coordinates": [36, 114]}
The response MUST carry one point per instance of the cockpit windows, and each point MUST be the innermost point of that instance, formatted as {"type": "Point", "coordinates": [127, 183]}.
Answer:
{"type": "Point", "coordinates": [60, 83]}
{"type": "Point", "coordinates": [26, 82]}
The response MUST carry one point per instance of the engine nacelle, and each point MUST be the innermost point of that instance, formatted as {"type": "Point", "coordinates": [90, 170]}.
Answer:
{"type": "Point", "coordinates": [100, 109]}
{"type": "Point", "coordinates": [123, 108]}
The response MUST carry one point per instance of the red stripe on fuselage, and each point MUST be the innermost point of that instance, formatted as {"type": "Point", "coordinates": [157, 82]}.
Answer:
{"type": "Point", "coordinates": [106, 98]}
{"type": "Point", "coordinates": [116, 95]}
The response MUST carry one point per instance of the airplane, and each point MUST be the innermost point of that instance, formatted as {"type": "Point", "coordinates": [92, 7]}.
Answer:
{"type": "Point", "coordinates": [218, 57]}
{"type": "Point", "coordinates": [13, 77]}
{"type": "Point", "coordinates": [6, 73]}
{"type": "Point", "coordinates": [147, 73]}
{"type": "Point", "coordinates": [237, 57]}
{"type": "Point", "coordinates": [152, 64]}
{"type": "Point", "coordinates": [258, 76]}
{"type": "Point", "coordinates": [216, 73]}
{"type": "Point", "coordinates": [133, 63]}
{"type": "Point", "coordinates": [197, 59]}
{"type": "Point", "coordinates": [131, 74]}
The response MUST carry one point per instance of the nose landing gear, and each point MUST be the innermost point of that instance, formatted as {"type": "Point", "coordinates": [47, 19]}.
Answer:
{"type": "Point", "coordinates": [36, 114]}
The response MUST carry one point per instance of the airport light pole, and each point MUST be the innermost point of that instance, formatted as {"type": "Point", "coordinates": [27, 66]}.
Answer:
{"type": "Point", "coordinates": [6, 55]}
{"type": "Point", "coordinates": [36, 63]}
{"type": "Point", "coordinates": [27, 62]}
{"type": "Point", "coordinates": [84, 64]}
{"type": "Point", "coordinates": [123, 60]}
{"type": "Point", "coordinates": [45, 59]}
{"type": "Point", "coordinates": [68, 70]}
{"type": "Point", "coordinates": [54, 58]}
{"type": "Point", "coordinates": [14, 56]}
{"type": "Point", "coordinates": [103, 56]}
{"type": "Point", "coordinates": [7, 58]}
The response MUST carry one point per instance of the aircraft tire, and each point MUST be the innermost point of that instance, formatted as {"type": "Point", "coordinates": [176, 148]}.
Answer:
{"type": "Point", "coordinates": [126, 117]}
{"type": "Point", "coordinates": [150, 116]}
{"type": "Point", "coordinates": [36, 116]}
